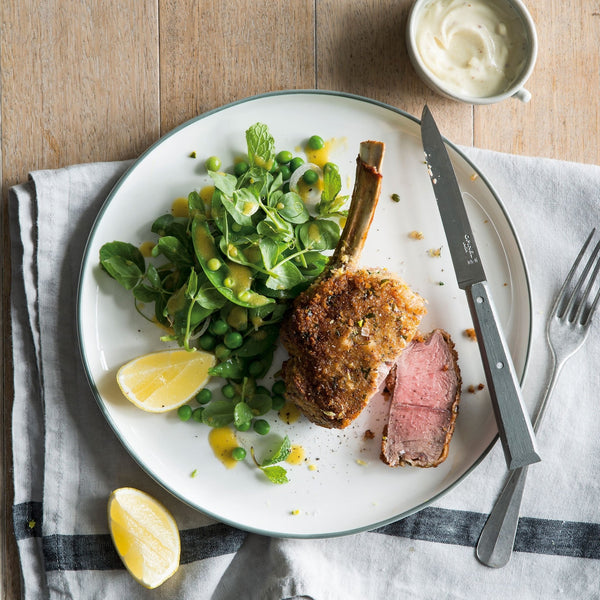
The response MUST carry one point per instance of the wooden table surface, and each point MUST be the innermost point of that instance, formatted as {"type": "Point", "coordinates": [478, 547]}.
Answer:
{"type": "Point", "coordinates": [84, 81]}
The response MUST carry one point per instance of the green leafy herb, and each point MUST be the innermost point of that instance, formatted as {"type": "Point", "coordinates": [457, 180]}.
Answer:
{"type": "Point", "coordinates": [218, 413]}
{"type": "Point", "coordinates": [280, 453]}
{"type": "Point", "coordinates": [331, 204]}
{"type": "Point", "coordinates": [124, 262]}
{"type": "Point", "coordinates": [261, 146]}
{"type": "Point", "coordinates": [276, 474]}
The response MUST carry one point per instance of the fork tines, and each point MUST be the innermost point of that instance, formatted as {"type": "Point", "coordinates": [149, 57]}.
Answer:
{"type": "Point", "coordinates": [577, 305]}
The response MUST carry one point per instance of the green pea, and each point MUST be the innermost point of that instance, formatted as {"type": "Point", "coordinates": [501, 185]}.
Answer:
{"type": "Point", "coordinates": [261, 389]}
{"type": "Point", "coordinates": [309, 177]}
{"type": "Point", "coordinates": [233, 340]}
{"type": "Point", "coordinates": [228, 391]}
{"type": "Point", "coordinates": [330, 167]}
{"type": "Point", "coordinates": [238, 453]}
{"type": "Point", "coordinates": [245, 295]}
{"type": "Point", "coordinates": [214, 264]}
{"type": "Point", "coordinates": [236, 227]}
{"type": "Point", "coordinates": [295, 163]}
{"type": "Point", "coordinates": [240, 168]}
{"type": "Point", "coordinates": [204, 396]}
{"type": "Point", "coordinates": [207, 342]}
{"type": "Point", "coordinates": [228, 282]}
{"type": "Point", "coordinates": [284, 157]}
{"type": "Point", "coordinates": [219, 327]}
{"type": "Point", "coordinates": [243, 426]}
{"type": "Point", "coordinates": [279, 387]}
{"type": "Point", "coordinates": [184, 412]}
{"type": "Point", "coordinates": [222, 352]}
{"type": "Point", "coordinates": [278, 402]}
{"type": "Point", "coordinates": [285, 172]}
{"type": "Point", "coordinates": [255, 368]}
{"type": "Point", "coordinates": [213, 163]}
{"type": "Point", "coordinates": [261, 426]}
{"type": "Point", "coordinates": [197, 414]}
{"type": "Point", "coordinates": [316, 142]}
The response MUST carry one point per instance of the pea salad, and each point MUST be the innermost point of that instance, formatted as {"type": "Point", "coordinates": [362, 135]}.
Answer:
{"type": "Point", "coordinates": [221, 278]}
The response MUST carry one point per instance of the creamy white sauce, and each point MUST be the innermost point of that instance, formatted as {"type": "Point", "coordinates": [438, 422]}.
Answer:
{"type": "Point", "coordinates": [475, 48]}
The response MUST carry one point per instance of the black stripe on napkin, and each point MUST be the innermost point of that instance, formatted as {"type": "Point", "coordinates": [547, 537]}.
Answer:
{"type": "Point", "coordinates": [27, 520]}
{"type": "Point", "coordinates": [97, 552]}
{"type": "Point", "coordinates": [444, 526]}
{"type": "Point", "coordinates": [462, 528]}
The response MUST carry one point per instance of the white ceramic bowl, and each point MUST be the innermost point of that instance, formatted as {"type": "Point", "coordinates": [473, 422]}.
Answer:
{"type": "Point", "coordinates": [516, 88]}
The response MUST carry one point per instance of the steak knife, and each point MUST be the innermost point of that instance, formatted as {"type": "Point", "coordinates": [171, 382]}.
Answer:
{"type": "Point", "coordinates": [514, 425]}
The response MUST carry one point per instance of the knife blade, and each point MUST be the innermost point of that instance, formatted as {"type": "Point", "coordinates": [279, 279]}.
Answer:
{"type": "Point", "coordinates": [514, 424]}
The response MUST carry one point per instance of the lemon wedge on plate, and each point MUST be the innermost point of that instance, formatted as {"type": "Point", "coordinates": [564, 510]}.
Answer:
{"type": "Point", "coordinates": [161, 381]}
{"type": "Point", "coordinates": [145, 535]}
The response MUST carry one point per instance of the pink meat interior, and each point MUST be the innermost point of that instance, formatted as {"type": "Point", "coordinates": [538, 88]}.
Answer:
{"type": "Point", "coordinates": [423, 395]}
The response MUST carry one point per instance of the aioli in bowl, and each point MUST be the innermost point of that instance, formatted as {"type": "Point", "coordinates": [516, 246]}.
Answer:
{"type": "Point", "coordinates": [472, 49]}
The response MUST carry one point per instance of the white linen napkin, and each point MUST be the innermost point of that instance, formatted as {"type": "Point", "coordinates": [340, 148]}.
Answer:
{"type": "Point", "coordinates": [67, 459]}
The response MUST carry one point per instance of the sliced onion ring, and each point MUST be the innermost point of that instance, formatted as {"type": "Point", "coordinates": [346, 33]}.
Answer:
{"type": "Point", "coordinates": [313, 196]}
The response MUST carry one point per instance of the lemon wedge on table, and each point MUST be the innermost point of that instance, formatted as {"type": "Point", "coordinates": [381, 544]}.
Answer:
{"type": "Point", "coordinates": [145, 535]}
{"type": "Point", "coordinates": [161, 381]}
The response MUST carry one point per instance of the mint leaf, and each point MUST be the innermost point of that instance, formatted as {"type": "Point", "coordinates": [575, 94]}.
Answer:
{"type": "Point", "coordinates": [279, 454]}
{"type": "Point", "coordinates": [275, 474]}
{"type": "Point", "coordinates": [261, 146]}
{"type": "Point", "coordinates": [331, 204]}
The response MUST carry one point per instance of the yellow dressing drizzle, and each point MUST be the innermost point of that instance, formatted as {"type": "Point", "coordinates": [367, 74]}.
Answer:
{"type": "Point", "coordinates": [222, 440]}
{"type": "Point", "coordinates": [206, 193]}
{"type": "Point", "coordinates": [290, 413]}
{"type": "Point", "coordinates": [304, 188]}
{"type": "Point", "coordinates": [146, 249]}
{"type": "Point", "coordinates": [179, 208]}
{"type": "Point", "coordinates": [321, 156]}
{"type": "Point", "coordinates": [296, 456]}
{"type": "Point", "coordinates": [204, 244]}
{"type": "Point", "coordinates": [238, 318]}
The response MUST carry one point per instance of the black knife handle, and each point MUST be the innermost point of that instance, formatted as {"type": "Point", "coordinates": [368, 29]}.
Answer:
{"type": "Point", "coordinates": [516, 432]}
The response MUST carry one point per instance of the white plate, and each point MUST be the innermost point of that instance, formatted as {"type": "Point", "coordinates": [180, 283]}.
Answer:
{"type": "Point", "coordinates": [351, 489]}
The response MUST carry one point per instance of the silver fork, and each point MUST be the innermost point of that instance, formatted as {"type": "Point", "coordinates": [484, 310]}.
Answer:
{"type": "Point", "coordinates": [567, 328]}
